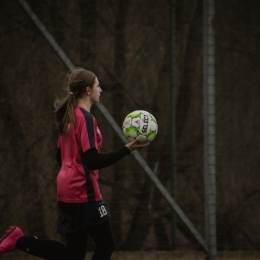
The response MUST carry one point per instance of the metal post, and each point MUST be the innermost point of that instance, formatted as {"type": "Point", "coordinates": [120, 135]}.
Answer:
{"type": "Point", "coordinates": [209, 128]}
{"type": "Point", "coordinates": [172, 111]}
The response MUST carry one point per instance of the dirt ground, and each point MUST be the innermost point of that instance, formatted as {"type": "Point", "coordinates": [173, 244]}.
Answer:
{"type": "Point", "coordinates": [154, 255]}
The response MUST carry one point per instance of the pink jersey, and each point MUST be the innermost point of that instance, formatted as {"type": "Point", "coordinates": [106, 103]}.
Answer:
{"type": "Point", "coordinates": [75, 182]}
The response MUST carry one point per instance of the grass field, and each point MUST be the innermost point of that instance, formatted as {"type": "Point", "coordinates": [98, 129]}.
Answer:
{"type": "Point", "coordinates": [155, 255]}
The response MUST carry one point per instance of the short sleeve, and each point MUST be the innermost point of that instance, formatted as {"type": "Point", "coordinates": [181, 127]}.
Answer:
{"type": "Point", "coordinates": [86, 132]}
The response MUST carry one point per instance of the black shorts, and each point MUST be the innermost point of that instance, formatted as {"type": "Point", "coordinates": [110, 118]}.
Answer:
{"type": "Point", "coordinates": [75, 216]}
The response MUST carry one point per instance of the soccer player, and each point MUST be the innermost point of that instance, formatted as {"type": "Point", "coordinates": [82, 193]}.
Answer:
{"type": "Point", "coordinates": [81, 209]}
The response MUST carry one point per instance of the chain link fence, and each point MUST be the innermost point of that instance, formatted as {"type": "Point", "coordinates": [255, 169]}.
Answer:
{"type": "Point", "coordinates": [147, 55]}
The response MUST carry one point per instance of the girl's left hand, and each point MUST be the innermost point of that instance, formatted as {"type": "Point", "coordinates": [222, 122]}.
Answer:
{"type": "Point", "coordinates": [135, 145]}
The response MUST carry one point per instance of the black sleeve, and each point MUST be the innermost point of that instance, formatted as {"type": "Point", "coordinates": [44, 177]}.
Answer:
{"type": "Point", "coordinates": [58, 156]}
{"type": "Point", "coordinates": [95, 160]}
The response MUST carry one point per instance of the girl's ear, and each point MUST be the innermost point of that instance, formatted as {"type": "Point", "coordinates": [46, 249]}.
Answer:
{"type": "Point", "coordinates": [88, 90]}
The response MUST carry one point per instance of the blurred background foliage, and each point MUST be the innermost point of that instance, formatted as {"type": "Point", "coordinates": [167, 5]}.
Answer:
{"type": "Point", "coordinates": [127, 44]}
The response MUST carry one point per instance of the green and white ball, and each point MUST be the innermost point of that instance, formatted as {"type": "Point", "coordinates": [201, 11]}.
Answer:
{"type": "Point", "coordinates": [140, 125]}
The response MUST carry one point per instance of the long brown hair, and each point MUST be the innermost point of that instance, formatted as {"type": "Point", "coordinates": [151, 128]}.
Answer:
{"type": "Point", "coordinates": [78, 80]}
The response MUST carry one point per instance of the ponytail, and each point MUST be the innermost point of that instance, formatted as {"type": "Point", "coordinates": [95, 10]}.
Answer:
{"type": "Point", "coordinates": [64, 113]}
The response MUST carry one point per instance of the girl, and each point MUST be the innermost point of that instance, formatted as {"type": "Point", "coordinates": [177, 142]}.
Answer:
{"type": "Point", "coordinates": [81, 209]}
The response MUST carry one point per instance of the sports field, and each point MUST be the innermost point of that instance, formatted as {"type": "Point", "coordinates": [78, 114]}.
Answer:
{"type": "Point", "coordinates": [156, 255]}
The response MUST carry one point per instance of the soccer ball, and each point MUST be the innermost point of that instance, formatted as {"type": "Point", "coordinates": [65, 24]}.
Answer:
{"type": "Point", "coordinates": [140, 125]}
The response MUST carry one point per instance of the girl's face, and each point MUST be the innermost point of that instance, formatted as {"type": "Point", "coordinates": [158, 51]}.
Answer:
{"type": "Point", "coordinates": [94, 92]}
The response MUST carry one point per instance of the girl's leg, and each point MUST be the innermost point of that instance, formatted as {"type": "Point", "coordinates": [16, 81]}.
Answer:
{"type": "Point", "coordinates": [77, 244]}
{"type": "Point", "coordinates": [43, 248]}
{"type": "Point", "coordinates": [104, 241]}
{"type": "Point", "coordinates": [75, 247]}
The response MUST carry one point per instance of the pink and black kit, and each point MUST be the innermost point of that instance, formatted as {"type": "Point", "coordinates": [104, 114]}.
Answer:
{"type": "Point", "coordinates": [78, 194]}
